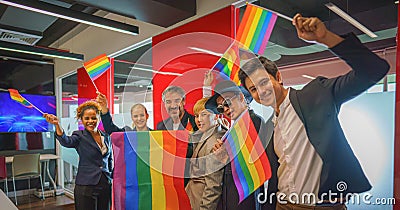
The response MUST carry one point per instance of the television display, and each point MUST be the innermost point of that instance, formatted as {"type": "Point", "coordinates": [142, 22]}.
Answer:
{"type": "Point", "coordinates": [27, 76]}
{"type": "Point", "coordinates": [15, 117]}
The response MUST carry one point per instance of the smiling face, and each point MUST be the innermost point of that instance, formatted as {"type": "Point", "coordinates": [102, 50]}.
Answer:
{"type": "Point", "coordinates": [206, 120]}
{"type": "Point", "coordinates": [233, 104]}
{"type": "Point", "coordinates": [139, 118]}
{"type": "Point", "coordinates": [90, 120]}
{"type": "Point", "coordinates": [264, 88]}
{"type": "Point", "coordinates": [174, 104]}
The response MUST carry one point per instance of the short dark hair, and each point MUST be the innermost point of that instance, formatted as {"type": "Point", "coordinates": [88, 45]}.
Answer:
{"type": "Point", "coordinates": [85, 106]}
{"type": "Point", "coordinates": [173, 89]}
{"type": "Point", "coordinates": [257, 63]}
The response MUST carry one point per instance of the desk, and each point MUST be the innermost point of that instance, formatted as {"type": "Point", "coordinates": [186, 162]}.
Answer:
{"type": "Point", "coordinates": [6, 203]}
{"type": "Point", "coordinates": [45, 158]}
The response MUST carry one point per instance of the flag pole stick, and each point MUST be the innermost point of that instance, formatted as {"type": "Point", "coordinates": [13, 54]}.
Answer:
{"type": "Point", "coordinates": [34, 106]}
{"type": "Point", "coordinates": [277, 13]}
{"type": "Point", "coordinates": [230, 45]}
{"type": "Point", "coordinates": [97, 90]}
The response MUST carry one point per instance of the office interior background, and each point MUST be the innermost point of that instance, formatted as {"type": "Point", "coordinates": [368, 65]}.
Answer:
{"type": "Point", "coordinates": [370, 121]}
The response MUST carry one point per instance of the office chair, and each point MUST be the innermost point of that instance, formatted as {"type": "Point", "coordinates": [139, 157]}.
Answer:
{"type": "Point", "coordinates": [27, 165]}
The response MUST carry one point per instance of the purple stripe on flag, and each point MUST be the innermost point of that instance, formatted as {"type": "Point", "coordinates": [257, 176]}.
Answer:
{"type": "Point", "coordinates": [119, 171]}
{"type": "Point", "coordinates": [265, 25]}
{"type": "Point", "coordinates": [271, 25]}
{"type": "Point", "coordinates": [232, 151]}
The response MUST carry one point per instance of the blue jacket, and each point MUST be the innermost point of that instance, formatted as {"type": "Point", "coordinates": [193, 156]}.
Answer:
{"type": "Point", "coordinates": [91, 162]}
{"type": "Point", "coordinates": [318, 105]}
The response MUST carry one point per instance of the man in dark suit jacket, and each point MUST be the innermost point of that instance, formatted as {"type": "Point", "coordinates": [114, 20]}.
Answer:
{"type": "Point", "coordinates": [309, 152]}
{"type": "Point", "coordinates": [232, 100]}
{"type": "Point", "coordinates": [179, 119]}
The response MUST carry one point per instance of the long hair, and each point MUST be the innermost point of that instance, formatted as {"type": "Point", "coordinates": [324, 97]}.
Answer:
{"type": "Point", "coordinates": [136, 106]}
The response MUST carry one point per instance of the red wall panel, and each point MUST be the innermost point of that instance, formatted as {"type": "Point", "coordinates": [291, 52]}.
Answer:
{"type": "Point", "coordinates": [105, 85]}
{"type": "Point", "coordinates": [172, 51]}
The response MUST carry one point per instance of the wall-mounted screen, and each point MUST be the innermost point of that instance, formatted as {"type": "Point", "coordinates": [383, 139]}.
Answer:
{"type": "Point", "coordinates": [31, 77]}
{"type": "Point", "coordinates": [14, 117]}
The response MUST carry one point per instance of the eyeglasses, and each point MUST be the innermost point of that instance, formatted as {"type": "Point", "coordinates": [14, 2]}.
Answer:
{"type": "Point", "coordinates": [226, 103]}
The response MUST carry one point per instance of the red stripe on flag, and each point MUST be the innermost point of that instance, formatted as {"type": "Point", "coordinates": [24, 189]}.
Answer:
{"type": "Point", "coordinates": [243, 23]}
{"type": "Point", "coordinates": [95, 60]}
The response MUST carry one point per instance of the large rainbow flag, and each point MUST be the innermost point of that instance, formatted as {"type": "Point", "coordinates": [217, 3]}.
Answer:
{"type": "Point", "coordinates": [14, 94]}
{"type": "Point", "coordinates": [97, 66]}
{"type": "Point", "coordinates": [256, 28]}
{"type": "Point", "coordinates": [229, 64]}
{"type": "Point", "coordinates": [149, 170]}
{"type": "Point", "coordinates": [249, 162]}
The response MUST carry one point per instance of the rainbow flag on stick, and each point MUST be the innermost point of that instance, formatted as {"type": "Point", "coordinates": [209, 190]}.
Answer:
{"type": "Point", "coordinates": [14, 94]}
{"type": "Point", "coordinates": [249, 162]}
{"type": "Point", "coordinates": [97, 66]}
{"type": "Point", "coordinates": [149, 170]}
{"type": "Point", "coordinates": [229, 64]}
{"type": "Point", "coordinates": [256, 28]}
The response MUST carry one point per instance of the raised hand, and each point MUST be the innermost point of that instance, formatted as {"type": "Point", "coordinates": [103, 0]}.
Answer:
{"type": "Point", "coordinates": [51, 119]}
{"type": "Point", "coordinates": [102, 100]}
{"type": "Point", "coordinates": [208, 78]}
{"type": "Point", "coordinates": [309, 28]}
{"type": "Point", "coordinates": [217, 145]}
{"type": "Point", "coordinates": [312, 29]}
{"type": "Point", "coordinates": [220, 152]}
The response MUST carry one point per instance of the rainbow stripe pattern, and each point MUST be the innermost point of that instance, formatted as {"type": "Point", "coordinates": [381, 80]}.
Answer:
{"type": "Point", "coordinates": [255, 28]}
{"type": "Point", "coordinates": [97, 66]}
{"type": "Point", "coordinates": [249, 162]}
{"type": "Point", "coordinates": [149, 170]}
{"type": "Point", "coordinates": [14, 94]}
{"type": "Point", "coordinates": [229, 64]}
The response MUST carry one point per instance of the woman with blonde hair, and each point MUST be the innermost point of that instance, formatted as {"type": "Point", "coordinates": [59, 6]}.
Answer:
{"type": "Point", "coordinates": [93, 181]}
{"type": "Point", "coordinates": [206, 171]}
{"type": "Point", "coordinates": [139, 117]}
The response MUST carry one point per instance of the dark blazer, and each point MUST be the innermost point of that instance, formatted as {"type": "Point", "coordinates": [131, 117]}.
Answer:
{"type": "Point", "coordinates": [168, 124]}
{"type": "Point", "coordinates": [318, 105]}
{"type": "Point", "coordinates": [110, 127]}
{"type": "Point", "coordinates": [91, 162]}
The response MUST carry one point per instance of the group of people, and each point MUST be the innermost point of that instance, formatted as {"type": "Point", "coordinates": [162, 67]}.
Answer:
{"type": "Point", "coordinates": [305, 144]}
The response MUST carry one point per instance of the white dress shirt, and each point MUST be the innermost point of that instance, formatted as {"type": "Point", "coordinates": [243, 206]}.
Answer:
{"type": "Point", "coordinates": [103, 148]}
{"type": "Point", "coordinates": [300, 165]}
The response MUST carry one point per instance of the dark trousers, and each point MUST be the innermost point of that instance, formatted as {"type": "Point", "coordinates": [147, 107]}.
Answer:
{"type": "Point", "coordinates": [230, 196]}
{"type": "Point", "coordinates": [93, 197]}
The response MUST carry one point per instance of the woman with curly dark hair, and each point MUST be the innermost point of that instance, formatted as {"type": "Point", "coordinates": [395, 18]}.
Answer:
{"type": "Point", "coordinates": [93, 181]}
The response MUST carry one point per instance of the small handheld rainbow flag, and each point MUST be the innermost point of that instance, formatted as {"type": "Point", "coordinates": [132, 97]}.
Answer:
{"type": "Point", "coordinates": [97, 66]}
{"type": "Point", "coordinates": [229, 64]}
{"type": "Point", "coordinates": [14, 94]}
{"type": "Point", "coordinates": [249, 162]}
{"type": "Point", "coordinates": [256, 28]}
{"type": "Point", "coordinates": [149, 170]}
